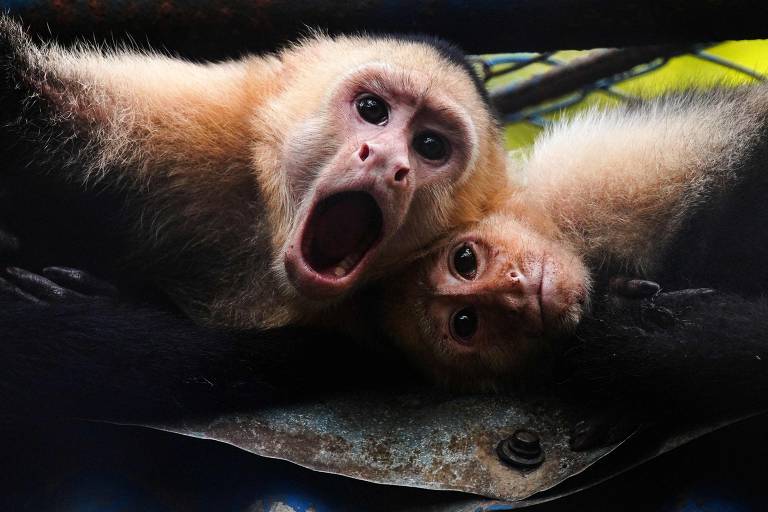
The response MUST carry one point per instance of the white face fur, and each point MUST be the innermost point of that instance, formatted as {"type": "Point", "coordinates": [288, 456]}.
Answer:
{"type": "Point", "coordinates": [398, 145]}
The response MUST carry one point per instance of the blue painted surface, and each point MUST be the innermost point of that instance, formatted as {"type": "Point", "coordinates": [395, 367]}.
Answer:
{"type": "Point", "coordinates": [13, 4]}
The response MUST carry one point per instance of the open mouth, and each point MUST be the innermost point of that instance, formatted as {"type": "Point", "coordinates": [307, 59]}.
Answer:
{"type": "Point", "coordinates": [341, 230]}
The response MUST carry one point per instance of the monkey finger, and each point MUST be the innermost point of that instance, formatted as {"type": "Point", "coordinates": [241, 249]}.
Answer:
{"type": "Point", "coordinates": [80, 281]}
{"type": "Point", "coordinates": [41, 287]}
{"type": "Point", "coordinates": [687, 294]}
{"type": "Point", "coordinates": [633, 288]}
{"type": "Point", "coordinates": [8, 288]}
{"type": "Point", "coordinates": [684, 298]}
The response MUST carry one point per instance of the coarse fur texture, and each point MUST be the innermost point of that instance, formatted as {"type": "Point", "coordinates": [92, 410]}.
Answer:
{"type": "Point", "coordinates": [621, 183]}
{"type": "Point", "coordinates": [213, 169]}
{"type": "Point", "coordinates": [668, 189]}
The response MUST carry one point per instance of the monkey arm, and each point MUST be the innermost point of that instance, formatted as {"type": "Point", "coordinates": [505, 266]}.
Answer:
{"type": "Point", "coordinates": [66, 351]}
{"type": "Point", "coordinates": [694, 350]}
{"type": "Point", "coordinates": [622, 183]}
{"type": "Point", "coordinates": [126, 111]}
{"type": "Point", "coordinates": [167, 140]}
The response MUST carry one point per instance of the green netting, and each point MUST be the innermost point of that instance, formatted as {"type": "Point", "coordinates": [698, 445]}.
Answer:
{"type": "Point", "coordinates": [732, 63]}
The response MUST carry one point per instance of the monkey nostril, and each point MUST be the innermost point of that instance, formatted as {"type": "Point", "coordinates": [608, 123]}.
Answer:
{"type": "Point", "coordinates": [364, 152]}
{"type": "Point", "coordinates": [401, 174]}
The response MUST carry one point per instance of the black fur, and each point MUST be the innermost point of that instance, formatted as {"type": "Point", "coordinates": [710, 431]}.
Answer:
{"type": "Point", "coordinates": [108, 360]}
{"type": "Point", "coordinates": [710, 357]}
{"type": "Point", "coordinates": [677, 352]}
{"type": "Point", "coordinates": [455, 55]}
{"type": "Point", "coordinates": [111, 359]}
{"type": "Point", "coordinates": [60, 223]}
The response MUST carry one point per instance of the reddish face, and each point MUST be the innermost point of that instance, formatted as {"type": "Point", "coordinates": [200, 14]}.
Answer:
{"type": "Point", "coordinates": [397, 147]}
{"type": "Point", "coordinates": [492, 296]}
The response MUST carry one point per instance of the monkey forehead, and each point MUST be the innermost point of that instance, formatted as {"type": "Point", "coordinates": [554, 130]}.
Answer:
{"type": "Point", "coordinates": [495, 230]}
{"type": "Point", "coordinates": [414, 87]}
{"type": "Point", "coordinates": [335, 57]}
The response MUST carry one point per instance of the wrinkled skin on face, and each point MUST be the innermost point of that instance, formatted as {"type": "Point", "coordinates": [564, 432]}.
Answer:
{"type": "Point", "coordinates": [397, 142]}
{"type": "Point", "coordinates": [475, 312]}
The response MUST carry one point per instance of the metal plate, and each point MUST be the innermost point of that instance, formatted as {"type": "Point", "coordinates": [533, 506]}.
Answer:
{"type": "Point", "coordinates": [421, 440]}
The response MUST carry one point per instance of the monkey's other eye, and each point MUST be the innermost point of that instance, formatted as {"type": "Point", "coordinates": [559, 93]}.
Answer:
{"type": "Point", "coordinates": [464, 324]}
{"type": "Point", "coordinates": [430, 145]}
{"type": "Point", "coordinates": [373, 109]}
{"type": "Point", "coordinates": [465, 261]}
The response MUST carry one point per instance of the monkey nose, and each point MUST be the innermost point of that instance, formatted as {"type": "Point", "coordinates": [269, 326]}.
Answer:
{"type": "Point", "coordinates": [364, 152]}
{"type": "Point", "coordinates": [513, 281]}
{"type": "Point", "coordinates": [398, 178]}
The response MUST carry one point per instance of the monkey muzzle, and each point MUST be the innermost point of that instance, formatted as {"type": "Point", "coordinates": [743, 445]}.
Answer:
{"type": "Point", "coordinates": [336, 244]}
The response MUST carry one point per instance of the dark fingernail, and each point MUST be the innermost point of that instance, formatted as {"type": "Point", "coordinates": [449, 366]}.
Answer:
{"type": "Point", "coordinates": [648, 287]}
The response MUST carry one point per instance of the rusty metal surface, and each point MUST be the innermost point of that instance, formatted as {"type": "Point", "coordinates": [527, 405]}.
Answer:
{"type": "Point", "coordinates": [433, 441]}
{"type": "Point", "coordinates": [642, 447]}
{"type": "Point", "coordinates": [421, 440]}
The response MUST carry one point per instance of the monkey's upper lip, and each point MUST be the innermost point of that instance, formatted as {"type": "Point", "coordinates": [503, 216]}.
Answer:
{"type": "Point", "coordinates": [339, 234]}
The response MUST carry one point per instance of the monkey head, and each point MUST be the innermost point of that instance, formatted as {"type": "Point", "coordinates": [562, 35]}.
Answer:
{"type": "Point", "coordinates": [475, 311]}
{"type": "Point", "coordinates": [262, 190]}
{"type": "Point", "coordinates": [398, 146]}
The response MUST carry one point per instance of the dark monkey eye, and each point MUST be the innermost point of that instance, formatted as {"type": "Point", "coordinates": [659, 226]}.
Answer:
{"type": "Point", "coordinates": [464, 323]}
{"type": "Point", "coordinates": [373, 109]}
{"type": "Point", "coordinates": [430, 145]}
{"type": "Point", "coordinates": [465, 261]}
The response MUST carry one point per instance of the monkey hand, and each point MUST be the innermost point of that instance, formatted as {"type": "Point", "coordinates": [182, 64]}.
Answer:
{"type": "Point", "coordinates": [625, 322]}
{"type": "Point", "coordinates": [631, 288]}
{"type": "Point", "coordinates": [56, 285]}
{"type": "Point", "coordinates": [642, 357]}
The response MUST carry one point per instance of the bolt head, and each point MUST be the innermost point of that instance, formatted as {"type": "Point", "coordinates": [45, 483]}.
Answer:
{"type": "Point", "coordinates": [525, 440]}
{"type": "Point", "coordinates": [522, 449]}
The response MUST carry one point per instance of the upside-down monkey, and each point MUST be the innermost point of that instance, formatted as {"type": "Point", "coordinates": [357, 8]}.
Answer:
{"type": "Point", "coordinates": [670, 189]}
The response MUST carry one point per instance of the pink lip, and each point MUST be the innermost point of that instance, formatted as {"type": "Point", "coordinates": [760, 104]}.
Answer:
{"type": "Point", "coordinates": [316, 285]}
{"type": "Point", "coordinates": [320, 286]}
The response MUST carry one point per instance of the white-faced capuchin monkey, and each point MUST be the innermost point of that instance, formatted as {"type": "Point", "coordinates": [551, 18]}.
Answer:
{"type": "Point", "coordinates": [670, 189]}
{"type": "Point", "coordinates": [254, 192]}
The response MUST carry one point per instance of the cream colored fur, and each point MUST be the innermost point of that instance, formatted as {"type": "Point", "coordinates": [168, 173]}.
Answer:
{"type": "Point", "coordinates": [620, 182]}
{"type": "Point", "coordinates": [203, 145]}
